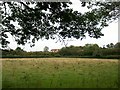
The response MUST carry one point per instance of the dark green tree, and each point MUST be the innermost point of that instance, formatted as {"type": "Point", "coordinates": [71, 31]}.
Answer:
{"type": "Point", "coordinates": [108, 46]}
{"type": "Point", "coordinates": [71, 51]}
{"type": "Point", "coordinates": [117, 45]}
{"type": "Point", "coordinates": [91, 49]}
{"type": "Point", "coordinates": [54, 20]}
{"type": "Point", "coordinates": [19, 49]}
{"type": "Point", "coordinates": [111, 45]}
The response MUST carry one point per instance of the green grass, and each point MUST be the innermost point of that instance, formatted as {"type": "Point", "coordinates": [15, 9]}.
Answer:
{"type": "Point", "coordinates": [59, 73]}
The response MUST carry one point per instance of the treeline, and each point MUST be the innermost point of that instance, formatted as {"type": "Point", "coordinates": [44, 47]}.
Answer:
{"type": "Point", "coordinates": [92, 51]}
{"type": "Point", "coordinates": [87, 51]}
{"type": "Point", "coordinates": [19, 53]}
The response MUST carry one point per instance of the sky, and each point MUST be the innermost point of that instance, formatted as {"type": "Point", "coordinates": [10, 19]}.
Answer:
{"type": "Point", "coordinates": [110, 36]}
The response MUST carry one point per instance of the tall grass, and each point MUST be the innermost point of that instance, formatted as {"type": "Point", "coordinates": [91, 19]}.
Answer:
{"type": "Point", "coordinates": [59, 73]}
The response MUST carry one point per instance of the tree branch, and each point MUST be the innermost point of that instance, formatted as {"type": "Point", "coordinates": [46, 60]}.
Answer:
{"type": "Point", "coordinates": [26, 6]}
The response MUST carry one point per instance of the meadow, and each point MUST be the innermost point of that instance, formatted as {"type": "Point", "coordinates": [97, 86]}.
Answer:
{"type": "Point", "coordinates": [59, 73]}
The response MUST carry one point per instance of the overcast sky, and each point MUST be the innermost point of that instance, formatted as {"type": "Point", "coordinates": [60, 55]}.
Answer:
{"type": "Point", "coordinates": [110, 36]}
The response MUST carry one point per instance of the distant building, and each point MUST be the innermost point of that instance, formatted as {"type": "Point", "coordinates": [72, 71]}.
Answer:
{"type": "Point", "coordinates": [55, 50]}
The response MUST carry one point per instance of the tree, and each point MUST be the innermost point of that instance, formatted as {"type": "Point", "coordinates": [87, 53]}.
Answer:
{"type": "Point", "coordinates": [91, 49]}
{"type": "Point", "coordinates": [71, 51]}
{"type": "Point", "coordinates": [19, 49]}
{"type": "Point", "coordinates": [97, 51]}
{"type": "Point", "coordinates": [40, 21]}
{"type": "Point", "coordinates": [117, 45]}
{"type": "Point", "coordinates": [111, 45]}
{"type": "Point", "coordinates": [91, 46]}
{"type": "Point", "coordinates": [46, 49]}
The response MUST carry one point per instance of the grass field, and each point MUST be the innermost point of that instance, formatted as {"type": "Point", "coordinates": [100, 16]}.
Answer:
{"type": "Point", "coordinates": [59, 73]}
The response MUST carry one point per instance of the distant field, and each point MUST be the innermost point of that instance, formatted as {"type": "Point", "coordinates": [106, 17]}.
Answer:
{"type": "Point", "coordinates": [59, 73]}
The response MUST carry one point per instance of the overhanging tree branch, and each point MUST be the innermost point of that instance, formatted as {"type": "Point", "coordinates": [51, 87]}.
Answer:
{"type": "Point", "coordinates": [39, 21]}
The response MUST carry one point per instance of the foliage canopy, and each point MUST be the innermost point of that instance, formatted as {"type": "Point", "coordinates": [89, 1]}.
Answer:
{"type": "Point", "coordinates": [55, 20]}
